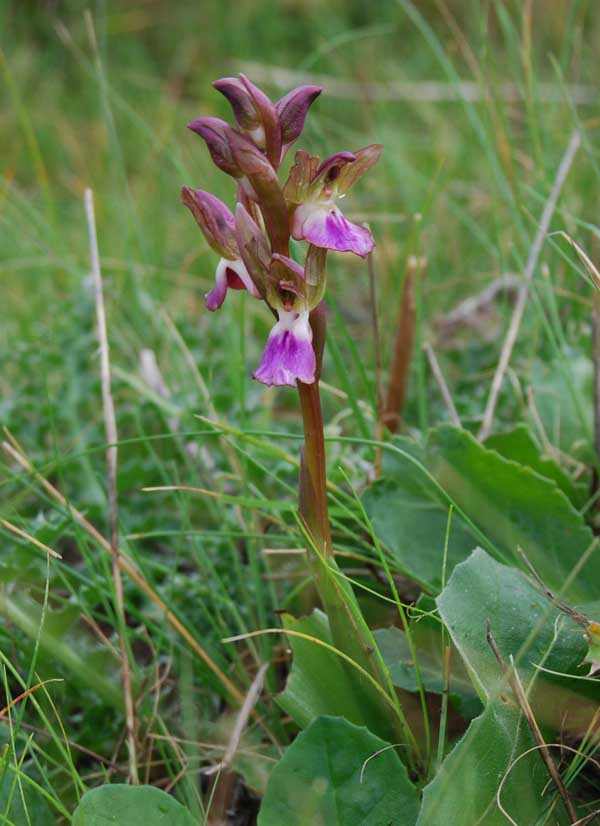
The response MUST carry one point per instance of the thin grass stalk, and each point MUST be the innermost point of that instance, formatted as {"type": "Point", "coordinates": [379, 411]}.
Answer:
{"type": "Point", "coordinates": [530, 267]}
{"type": "Point", "coordinates": [446, 656]}
{"type": "Point", "coordinates": [110, 428]}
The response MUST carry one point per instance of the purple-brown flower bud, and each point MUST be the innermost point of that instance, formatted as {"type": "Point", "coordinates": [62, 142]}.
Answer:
{"type": "Point", "coordinates": [265, 183]}
{"type": "Point", "coordinates": [292, 110]}
{"type": "Point", "coordinates": [244, 108]}
{"type": "Point", "coordinates": [255, 113]}
{"type": "Point", "coordinates": [214, 219]}
{"type": "Point", "coordinates": [216, 134]}
{"type": "Point", "coordinates": [253, 247]}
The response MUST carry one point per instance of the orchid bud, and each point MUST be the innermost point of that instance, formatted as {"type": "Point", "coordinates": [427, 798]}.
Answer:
{"type": "Point", "coordinates": [216, 134]}
{"type": "Point", "coordinates": [269, 119]}
{"type": "Point", "coordinates": [253, 247]}
{"type": "Point", "coordinates": [265, 183]}
{"type": "Point", "coordinates": [244, 108]}
{"type": "Point", "coordinates": [214, 219]}
{"type": "Point", "coordinates": [255, 113]}
{"type": "Point", "coordinates": [292, 110]}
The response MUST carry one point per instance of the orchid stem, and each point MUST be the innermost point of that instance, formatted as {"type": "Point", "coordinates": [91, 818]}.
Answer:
{"type": "Point", "coordinates": [313, 479]}
{"type": "Point", "coordinates": [348, 629]}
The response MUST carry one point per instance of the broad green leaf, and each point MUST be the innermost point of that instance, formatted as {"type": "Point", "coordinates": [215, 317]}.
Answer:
{"type": "Point", "coordinates": [62, 641]}
{"type": "Point", "coordinates": [318, 781]}
{"type": "Point", "coordinates": [505, 505]}
{"type": "Point", "coordinates": [321, 683]}
{"type": "Point", "coordinates": [464, 790]}
{"type": "Point", "coordinates": [525, 625]}
{"type": "Point", "coordinates": [119, 804]}
{"type": "Point", "coordinates": [410, 514]}
{"type": "Point", "coordinates": [518, 445]}
{"type": "Point", "coordinates": [21, 802]}
{"type": "Point", "coordinates": [317, 683]}
{"type": "Point", "coordinates": [563, 391]}
{"type": "Point", "coordinates": [395, 650]}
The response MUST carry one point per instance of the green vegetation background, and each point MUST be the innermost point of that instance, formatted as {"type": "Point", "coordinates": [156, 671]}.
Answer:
{"type": "Point", "coordinates": [98, 95]}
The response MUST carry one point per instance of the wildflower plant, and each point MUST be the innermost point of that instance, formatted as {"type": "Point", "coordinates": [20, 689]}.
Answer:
{"type": "Point", "coordinates": [254, 244]}
{"type": "Point", "coordinates": [254, 247]}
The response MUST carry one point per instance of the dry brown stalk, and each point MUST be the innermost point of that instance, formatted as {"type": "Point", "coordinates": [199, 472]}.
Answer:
{"type": "Point", "coordinates": [110, 430]}
{"type": "Point", "coordinates": [403, 347]}
{"type": "Point", "coordinates": [519, 308]}
{"type": "Point", "coordinates": [10, 527]}
{"type": "Point", "coordinates": [224, 780]}
{"type": "Point", "coordinates": [516, 685]}
{"type": "Point", "coordinates": [441, 382]}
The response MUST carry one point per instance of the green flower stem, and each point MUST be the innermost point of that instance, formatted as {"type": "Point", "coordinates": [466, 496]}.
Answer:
{"type": "Point", "coordinates": [349, 631]}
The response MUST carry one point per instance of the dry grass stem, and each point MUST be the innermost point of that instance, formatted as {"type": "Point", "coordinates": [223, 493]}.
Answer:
{"type": "Point", "coordinates": [110, 430]}
{"type": "Point", "coordinates": [532, 260]}
{"type": "Point", "coordinates": [403, 347]}
{"type": "Point", "coordinates": [517, 687]}
{"type": "Point", "coordinates": [419, 91]}
{"type": "Point", "coordinates": [241, 721]}
{"type": "Point", "coordinates": [441, 382]}
{"type": "Point", "coordinates": [10, 527]}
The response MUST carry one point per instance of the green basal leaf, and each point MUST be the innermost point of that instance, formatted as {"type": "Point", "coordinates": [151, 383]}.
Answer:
{"type": "Point", "coordinates": [563, 392]}
{"type": "Point", "coordinates": [410, 515]}
{"type": "Point", "coordinates": [120, 805]}
{"type": "Point", "coordinates": [21, 801]}
{"type": "Point", "coordinates": [500, 505]}
{"type": "Point", "coordinates": [528, 627]}
{"type": "Point", "coordinates": [395, 650]}
{"type": "Point", "coordinates": [321, 683]}
{"type": "Point", "coordinates": [518, 445]}
{"type": "Point", "coordinates": [324, 779]}
{"type": "Point", "coordinates": [465, 789]}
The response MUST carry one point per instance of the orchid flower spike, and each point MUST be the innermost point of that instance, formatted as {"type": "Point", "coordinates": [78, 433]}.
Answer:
{"type": "Point", "coordinates": [313, 188]}
{"type": "Point", "coordinates": [217, 225]}
{"type": "Point", "coordinates": [254, 246]}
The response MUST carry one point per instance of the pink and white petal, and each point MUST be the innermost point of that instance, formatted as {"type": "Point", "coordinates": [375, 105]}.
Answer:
{"type": "Point", "coordinates": [324, 225]}
{"type": "Point", "coordinates": [230, 275]}
{"type": "Point", "coordinates": [288, 356]}
{"type": "Point", "coordinates": [237, 273]}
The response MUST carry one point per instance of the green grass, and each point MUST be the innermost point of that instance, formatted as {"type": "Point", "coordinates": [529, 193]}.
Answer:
{"type": "Point", "coordinates": [98, 95]}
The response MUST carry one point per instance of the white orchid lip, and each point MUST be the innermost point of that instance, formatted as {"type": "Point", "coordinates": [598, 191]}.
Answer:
{"type": "Point", "coordinates": [230, 275]}
{"type": "Point", "coordinates": [288, 356]}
